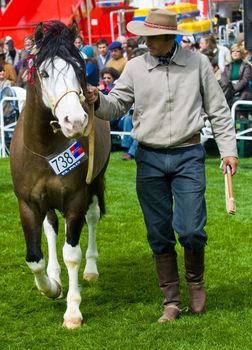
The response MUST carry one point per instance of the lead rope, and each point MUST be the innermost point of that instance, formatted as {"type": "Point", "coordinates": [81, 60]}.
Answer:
{"type": "Point", "coordinates": [90, 134]}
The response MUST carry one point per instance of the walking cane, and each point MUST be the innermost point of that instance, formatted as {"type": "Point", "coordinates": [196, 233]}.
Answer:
{"type": "Point", "coordinates": [230, 201]}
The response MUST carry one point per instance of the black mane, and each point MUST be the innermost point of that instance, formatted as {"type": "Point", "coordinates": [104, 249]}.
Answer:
{"type": "Point", "coordinates": [58, 41]}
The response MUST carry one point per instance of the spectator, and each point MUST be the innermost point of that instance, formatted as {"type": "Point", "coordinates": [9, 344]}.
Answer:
{"type": "Point", "coordinates": [138, 51]}
{"type": "Point", "coordinates": [239, 73]}
{"type": "Point", "coordinates": [117, 60]}
{"type": "Point", "coordinates": [123, 40]}
{"type": "Point", "coordinates": [9, 70]}
{"type": "Point", "coordinates": [92, 69]}
{"type": "Point", "coordinates": [79, 42]}
{"type": "Point", "coordinates": [248, 53]}
{"type": "Point", "coordinates": [223, 81]}
{"type": "Point", "coordinates": [221, 53]}
{"type": "Point", "coordinates": [188, 42]}
{"type": "Point", "coordinates": [21, 67]}
{"type": "Point", "coordinates": [11, 53]}
{"type": "Point", "coordinates": [128, 143]}
{"type": "Point", "coordinates": [104, 55]}
{"type": "Point", "coordinates": [3, 81]}
{"type": "Point", "coordinates": [131, 45]}
{"type": "Point", "coordinates": [109, 76]}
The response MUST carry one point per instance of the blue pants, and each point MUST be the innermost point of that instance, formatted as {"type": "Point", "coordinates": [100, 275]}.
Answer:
{"type": "Point", "coordinates": [125, 124]}
{"type": "Point", "coordinates": [174, 175]}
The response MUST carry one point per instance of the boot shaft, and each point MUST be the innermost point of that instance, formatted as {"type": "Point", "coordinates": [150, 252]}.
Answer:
{"type": "Point", "coordinates": [168, 277]}
{"type": "Point", "coordinates": [194, 265]}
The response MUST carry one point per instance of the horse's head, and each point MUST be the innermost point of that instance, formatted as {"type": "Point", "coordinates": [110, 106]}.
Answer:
{"type": "Point", "coordinates": [61, 73]}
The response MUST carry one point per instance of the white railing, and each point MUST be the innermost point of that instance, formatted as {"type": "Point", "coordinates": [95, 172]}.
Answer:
{"type": "Point", "coordinates": [241, 135]}
{"type": "Point", "coordinates": [4, 151]}
{"type": "Point", "coordinates": [121, 24]}
{"type": "Point", "coordinates": [207, 132]}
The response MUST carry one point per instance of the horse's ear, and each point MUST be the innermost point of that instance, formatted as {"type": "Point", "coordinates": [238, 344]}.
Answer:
{"type": "Point", "coordinates": [39, 32]}
{"type": "Point", "coordinates": [74, 30]}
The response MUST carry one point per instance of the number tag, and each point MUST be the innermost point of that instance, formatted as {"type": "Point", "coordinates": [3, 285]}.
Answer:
{"type": "Point", "coordinates": [67, 160]}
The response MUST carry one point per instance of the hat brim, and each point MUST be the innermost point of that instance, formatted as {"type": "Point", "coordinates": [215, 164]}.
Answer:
{"type": "Point", "coordinates": [138, 28]}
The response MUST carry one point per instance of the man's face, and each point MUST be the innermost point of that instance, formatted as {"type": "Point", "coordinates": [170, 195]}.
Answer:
{"type": "Point", "coordinates": [186, 43]}
{"type": "Point", "coordinates": [102, 49]}
{"type": "Point", "coordinates": [116, 54]}
{"type": "Point", "coordinates": [159, 45]}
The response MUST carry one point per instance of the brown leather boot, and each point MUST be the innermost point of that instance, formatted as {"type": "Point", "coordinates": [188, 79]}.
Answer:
{"type": "Point", "coordinates": [167, 272]}
{"type": "Point", "coordinates": [194, 265]}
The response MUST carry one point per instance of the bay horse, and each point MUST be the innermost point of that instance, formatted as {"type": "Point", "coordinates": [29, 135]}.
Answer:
{"type": "Point", "coordinates": [49, 165]}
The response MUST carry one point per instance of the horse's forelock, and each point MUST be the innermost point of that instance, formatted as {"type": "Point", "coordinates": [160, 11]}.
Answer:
{"type": "Point", "coordinates": [58, 41]}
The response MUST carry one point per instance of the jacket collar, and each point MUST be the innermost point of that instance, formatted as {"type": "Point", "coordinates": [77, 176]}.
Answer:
{"type": "Point", "coordinates": [178, 58]}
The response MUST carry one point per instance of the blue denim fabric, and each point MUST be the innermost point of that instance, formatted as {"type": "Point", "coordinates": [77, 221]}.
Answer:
{"type": "Point", "coordinates": [132, 150]}
{"type": "Point", "coordinates": [128, 142]}
{"type": "Point", "coordinates": [125, 124]}
{"type": "Point", "coordinates": [170, 187]}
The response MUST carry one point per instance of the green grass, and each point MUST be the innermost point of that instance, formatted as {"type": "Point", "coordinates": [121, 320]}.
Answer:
{"type": "Point", "coordinates": [122, 307]}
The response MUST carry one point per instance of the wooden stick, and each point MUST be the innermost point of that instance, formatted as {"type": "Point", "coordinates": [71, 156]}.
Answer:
{"type": "Point", "coordinates": [230, 201]}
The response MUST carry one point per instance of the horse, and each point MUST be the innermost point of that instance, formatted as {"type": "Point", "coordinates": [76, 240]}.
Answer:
{"type": "Point", "coordinates": [49, 157]}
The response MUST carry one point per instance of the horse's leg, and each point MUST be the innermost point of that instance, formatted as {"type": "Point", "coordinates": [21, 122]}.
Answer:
{"type": "Point", "coordinates": [32, 225]}
{"type": "Point", "coordinates": [72, 257]}
{"type": "Point", "coordinates": [51, 225]}
{"type": "Point", "coordinates": [92, 218]}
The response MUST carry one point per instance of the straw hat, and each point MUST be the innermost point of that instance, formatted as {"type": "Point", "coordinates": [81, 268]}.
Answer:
{"type": "Point", "coordinates": [158, 22]}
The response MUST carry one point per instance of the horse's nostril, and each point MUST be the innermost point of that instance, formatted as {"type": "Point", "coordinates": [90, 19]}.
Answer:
{"type": "Point", "coordinates": [66, 120]}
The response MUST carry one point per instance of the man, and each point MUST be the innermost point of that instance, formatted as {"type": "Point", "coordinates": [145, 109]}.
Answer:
{"type": "Point", "coordinates": [188, 42]}
{"type": "Point", "coordinates": [173, 90]}
{"type": "Point", "coordinates": [123, 40]}
{"type": "Point", "coordinates": [104, 54]}
{"type": "Point", "coordinates": [117, 60]}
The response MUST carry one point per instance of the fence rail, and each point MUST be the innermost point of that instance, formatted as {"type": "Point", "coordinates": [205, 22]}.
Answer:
{"type": "Point", "coordinates": [4, 150]}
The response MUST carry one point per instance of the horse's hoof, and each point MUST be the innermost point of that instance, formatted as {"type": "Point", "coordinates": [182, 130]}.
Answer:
{"type": "Point", "coordinates": [61, 296]}
{"type": "Point", "coordinates": [55, 291]}
{"type": "Point", "coordinates": [73, 323]}
{"type": "Point", "coordinates": [90, 276]}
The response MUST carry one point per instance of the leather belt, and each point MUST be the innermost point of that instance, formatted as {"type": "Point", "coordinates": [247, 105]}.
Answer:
{"type": "Point", "coordinates": [193, 140]}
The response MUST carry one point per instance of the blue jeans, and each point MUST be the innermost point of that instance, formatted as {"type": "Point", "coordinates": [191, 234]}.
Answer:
{"type": "Point", "coordinates": [125, 124]}
{"type": "Point", "coordinates": [170, 186]}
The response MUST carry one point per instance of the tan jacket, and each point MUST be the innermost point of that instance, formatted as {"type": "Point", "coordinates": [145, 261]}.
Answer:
{"type": "Point", "coordinates": [171, 103]}
{"type": "Point", "coordinates": [117, 64]}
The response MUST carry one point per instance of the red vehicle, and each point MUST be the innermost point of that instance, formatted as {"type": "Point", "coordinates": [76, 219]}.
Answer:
{"type": "Point", "coordinates": [95, 19]}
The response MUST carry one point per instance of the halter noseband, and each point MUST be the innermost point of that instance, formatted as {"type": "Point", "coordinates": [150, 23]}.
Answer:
{"type": "Point", "coordinates": [54, 103]}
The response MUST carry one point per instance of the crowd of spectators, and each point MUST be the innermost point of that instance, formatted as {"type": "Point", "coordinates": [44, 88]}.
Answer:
{"type": "Point", "coordinates": [106, 61]}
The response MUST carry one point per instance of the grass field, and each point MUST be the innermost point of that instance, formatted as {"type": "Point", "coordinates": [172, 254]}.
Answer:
{"type": "Point", "coordinates": [121, 308]}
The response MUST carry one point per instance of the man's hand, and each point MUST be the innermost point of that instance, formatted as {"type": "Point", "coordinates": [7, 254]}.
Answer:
{"type": "Point", "coordinates": [92, 94]}
{"type": "Point", "coordinates": [232, 161]}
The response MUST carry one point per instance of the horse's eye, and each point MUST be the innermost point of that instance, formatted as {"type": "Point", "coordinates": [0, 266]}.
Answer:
{"type": "Point", "coordinates": [44, 74]}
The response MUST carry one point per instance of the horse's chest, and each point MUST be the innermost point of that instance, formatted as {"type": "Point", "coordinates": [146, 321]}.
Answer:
{"type": "Point", "coordinates": [54, 192]}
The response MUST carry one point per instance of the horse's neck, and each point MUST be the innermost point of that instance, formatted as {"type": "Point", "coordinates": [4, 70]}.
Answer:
{"type": "Point", "coordinates": [38, 134]}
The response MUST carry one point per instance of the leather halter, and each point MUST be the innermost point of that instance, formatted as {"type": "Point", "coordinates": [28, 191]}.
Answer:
{"type": "Point", "coordinates": [54, 103]}
{"type": "Point", "coordinates": [89, 131]}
